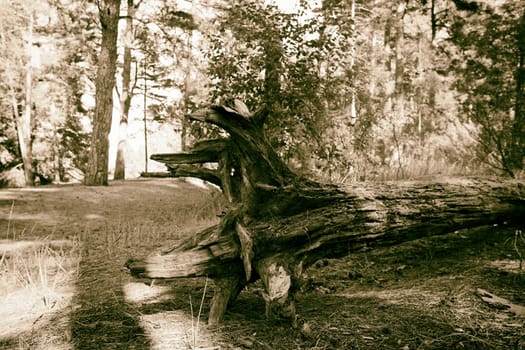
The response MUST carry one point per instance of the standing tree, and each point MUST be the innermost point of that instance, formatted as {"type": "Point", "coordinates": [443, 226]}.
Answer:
{"type": "Point", "coordinates": [170, 40]}
{"type": "Point", "coordinates": [275, 59]}
{"type": "Point", "coordinates": [76, 33]}
{"type": "Point", "coordinates": [518, 126]}
{"type": "Point", "coordinates": [97, 172]}
{"type": "Point", "coordinates": [23, 121]}
{"type": "Point", "coordinates": [127, 91]}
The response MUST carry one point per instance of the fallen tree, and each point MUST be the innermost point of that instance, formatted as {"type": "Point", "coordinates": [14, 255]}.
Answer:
{"type": "Point", "coordinates": [279, 223]}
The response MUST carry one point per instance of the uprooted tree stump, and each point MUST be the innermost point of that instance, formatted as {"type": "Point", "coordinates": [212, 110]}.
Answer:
{"type": "Point", "coordinates": [279, 223]}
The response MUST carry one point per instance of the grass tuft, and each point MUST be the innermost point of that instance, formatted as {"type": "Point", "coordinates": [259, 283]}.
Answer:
{"type": "Point", "coordinates": [40, 268]}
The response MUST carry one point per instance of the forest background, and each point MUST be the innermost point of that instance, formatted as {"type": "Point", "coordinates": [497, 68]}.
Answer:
{"type": "Point", "coordinates": [355, 90]}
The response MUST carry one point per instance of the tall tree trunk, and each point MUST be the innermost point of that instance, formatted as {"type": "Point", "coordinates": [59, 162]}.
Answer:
{"type": "Point", "coordinates": [518, 128]}
{"type": "Point", "coordinates": [399, 69]}
{"type": "Point", "coordinates": [395, 107]}
{"type": "Point", "coordinates": [145, 119]}
{"type": "Point", "coordinates": [97, 172]}
{"type": "Point", "coordinates": [433, 21]}
{"type": "Point", "coordinates": [353, 113]}
{"type": "Point", "coordinates": [125, 96]}
{"type": "Point", "coordinates": [185, 125]}
{"type": "Point", "coordinates": [23, 120]}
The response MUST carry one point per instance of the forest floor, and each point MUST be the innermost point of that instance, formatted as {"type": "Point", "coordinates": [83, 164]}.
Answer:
{"type": "Point", "coordinates": [63, 285]}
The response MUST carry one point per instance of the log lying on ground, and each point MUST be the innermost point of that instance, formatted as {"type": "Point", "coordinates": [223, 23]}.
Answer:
{"type": "Point", "coordinates": [279, 223]}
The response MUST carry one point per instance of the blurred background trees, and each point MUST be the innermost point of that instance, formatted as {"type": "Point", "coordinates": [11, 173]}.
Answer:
{"type": "Point", "coordinates": [352, 89]}
{"type": "Point", "coordinates": [491, 76]}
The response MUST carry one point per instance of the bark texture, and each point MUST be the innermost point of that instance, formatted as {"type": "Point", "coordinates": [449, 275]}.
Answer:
{"type": "Point", "coordinates": [280, 223]}
{"type": "Point", "coordinates": [97, 172]}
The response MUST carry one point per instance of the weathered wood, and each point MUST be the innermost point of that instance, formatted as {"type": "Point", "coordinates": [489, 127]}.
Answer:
{"type": "Point", "coordinates": [227, 288]}
{"type": "Point", "coordinates": [183, 170]}
{"type": "Point", "coordinates": [210, 175]}
{"type": "Point", "coordinates": [156, 174]}
{"type": "Point", "coordinates": [385, 214]}
{"type": "Point", "coordinates": [183, 158]}
{"type": "Point", "coordinates": [206, 151]}
{"type": "Point", "coordinates": [279, 273]}
{"type": "Point", "coordinates": [501, 303]}
{"type": "Point", "coordinates": [280, 223]}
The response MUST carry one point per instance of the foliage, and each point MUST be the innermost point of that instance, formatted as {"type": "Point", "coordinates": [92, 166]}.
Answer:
{"type": "Point", "coordinates": [359, 94]}
{"type": "Point", "coordinates": [489, 54]}
{"type": "Point", "coordinates": [11, 86]}
{"type": "Point", "coordinates": [272, 60]}
{"type": "Point", "coordinates": [168, 44]}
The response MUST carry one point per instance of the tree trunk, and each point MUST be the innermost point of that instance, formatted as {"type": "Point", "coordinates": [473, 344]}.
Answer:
{"type": "Point", "coordinates": [97, 171]}
{"type": "Point", "coordinates": [273, 53]}
{"type": "Point", "coordinates": [126, 94]}
{"type": "Point", "coordinates": [280, 223]}
{"type": "Point", "coordinates": [185, 126]}
{"type": "Point", "coordinates": [145, 119]}
{"type": "Point", "coordinates": [433, 20]}
{"type": "Point", "coordinates": [353, 45]}
{"type": "Point", "coordinates": [23, 120]}
{"type": "Point", "coordinates": [399, 64]}
{"type": "Point", "coordinates": [518, 127]}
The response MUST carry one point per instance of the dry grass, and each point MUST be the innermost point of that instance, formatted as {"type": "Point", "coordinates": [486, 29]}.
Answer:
{"type": "Point", "coordinates": [410, 167]}
{"type": "Point", "coordinates": [39, 266]}
{"type": "Point", "coordinates": [36, 278]}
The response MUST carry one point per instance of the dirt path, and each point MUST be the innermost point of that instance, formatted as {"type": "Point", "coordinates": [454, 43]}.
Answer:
{"type": "Point", "coordinates": [420, 295]}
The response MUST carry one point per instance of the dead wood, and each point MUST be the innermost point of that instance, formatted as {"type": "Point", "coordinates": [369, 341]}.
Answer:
{"type": "Point", "coordinates": [501, 303]}
{"type": "Point", "coordinates": [279, 222]}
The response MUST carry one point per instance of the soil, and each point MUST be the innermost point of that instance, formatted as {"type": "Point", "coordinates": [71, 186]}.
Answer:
{"type": "Point", "coordinates": [418, 295]}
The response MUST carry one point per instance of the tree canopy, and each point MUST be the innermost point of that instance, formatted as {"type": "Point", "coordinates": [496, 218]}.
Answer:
{"type": "Point", "coordinates": [352, 90]}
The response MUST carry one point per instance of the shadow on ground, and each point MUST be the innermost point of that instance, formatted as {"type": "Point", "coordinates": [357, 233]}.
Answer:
{"type": "Point", "coordinates": [101, 318]}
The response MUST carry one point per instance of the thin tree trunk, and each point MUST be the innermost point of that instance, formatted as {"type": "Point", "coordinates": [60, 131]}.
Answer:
{"type": "Point", "coordinates": [23, 122]}
{"type": "Point", "coordinates": [97, 172]}
{"type": "Point", "coordinates": [433, 21]}
{"type": "Point", "coordinates": [125, 96]}
{"type": "Point", "coordinates": [518, 128]}
{"type": "Point", "coordinates": [185, 125]}
{"type": "Point", "coordinates": [145, 116]}
{"type": "Point", "coordinates": [353, 113]}
{"type": "Point", "coordinates": [397, 70]}
{"type": "Point", "coordinates": [399, 64]}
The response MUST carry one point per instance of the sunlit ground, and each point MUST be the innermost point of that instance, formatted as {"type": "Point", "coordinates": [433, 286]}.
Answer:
{"type": "Point", "coordinates": [36, 286]}
{"type": "Point", "coordinates": [169, 329]}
